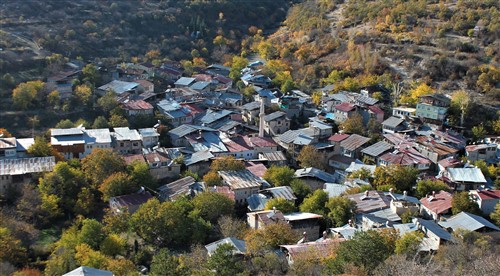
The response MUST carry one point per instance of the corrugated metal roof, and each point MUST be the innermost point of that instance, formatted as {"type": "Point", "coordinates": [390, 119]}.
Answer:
{"type": "Point", "coordinates": [467, 221]}
{"type": "Point", "coordinates": [354, 141]}
{"type": "Point", "coordinates": [274, 116]}
{"type": "Point", "coordinates": [184, 81]}
{"type": "Point", "coordinates": [284, 192]}
{"type": "Point", "coordinates": [184, 130]}
{"type": "Point", "coordinates": [377, 148]}
{"type": "Point", "coordinates": [375, 200]}
{"type": "Point", "coordinates": [20, 166]}
{"type": "Point", "coordinates": [199, 85]}
{"type": "Point", "coordinates": [197, 157]}
{"type": "Point", "coordinates": [334, 189]}
{"type": "Point", "coordinates": [242, 179]}
{"type": "Point", "coordinates": [439, 203]}
{"type": "Point", "coordinates": [345, 231]}
{"type": "Point", "coordinates": [119, 87]}
{"type": "Point", "coordinates": [66, 131]}
{"type": "Point", "coordinates": [251, 106]}
{"type": "Point", "coordinates": [239, 245]}
{"type": "Point", "coordinates": [429, 225]}
{"type": "Point", "coordinates": [274, 156]}
{"type": "Point", "coordinates": [386, 214]}
{"type": "Point", "coordinates": [88, 271]}
{"type": "Point", "coordinates": [213, 115]}
{"type": "Point", "coordinates": [175, 189]}
{"type": "Point", "coordinates": [317, 173]}
{"type": "Point", "coordinates": [466, 175]}
{"type": "Point", "coordinates": [405, 228]}
{"type": "Point", "coordinates": [257, 202]}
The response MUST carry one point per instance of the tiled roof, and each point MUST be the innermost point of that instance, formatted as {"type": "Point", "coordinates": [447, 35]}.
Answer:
{"type": "Point", "coordinates": [439, 203]}
{"type": "Point", "coordinates": [354, 141]}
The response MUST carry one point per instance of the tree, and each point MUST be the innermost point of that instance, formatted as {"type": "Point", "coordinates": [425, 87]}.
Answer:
{"type": "Point", "coordinates": [101, 163]}
{"type": "Point", "coordinates": [117, 184]}
{"type": "Point", "coordinates": [461, 202]}
{"type": "Point", "coordinates": [86, 256]}
{"type": "Point", "coordinates": [362, 173]}
{"type": "Point", "coordinates": [231, 227]}
{"type": "Point", "coordinates": [83, 93]}
{"type": "Point", "coordinates": [107, 102]}
{"type": "Point", "coordinates": [461, 99]}
{"type": "Point", "coordinates": [164, 263]}
{"type": "Point", "coordinates": [227, 163]}
{"type": "Point", "coordinates": [91, 233]}
{"type": "Point", "coordinates": [315, 203]}
{"type": "Point", "coordinates": [100, 122]}
{"type": "Point", "coordinates": [281, 204]}
{"type": "Point", "coordinates": [12, 249]}
{"type": "Point", "coordinates": [65, 123]}
{"type": "Point", "coordinates": [479, 132]}
{"type": "Point", "coordinates": [309, 156]}
{"type": "Point", "coordinates": [425, 187]}
{"type": "Point", "coordinates": [483, 166]}
{"type": "Point", "coordinates": [270, 237]}
{"type": "Point", "coordinates": [279, 175]}
{"type": "Point", "coordinates": [300, 189]}
{"type": "Point", "coordinates": [316, 97]}
{"type": "Point", "coordinates": [90, 74]}
{"type": "Point", "coordinates": [212, 179]}
{"type": "Point", "coordinates": [223, 261]}
{"type": "Point", "coordinates": [42, 148]}
{"type": "Point", "coordinates": [118, 121]}
{"type": "Point", "coordinates": [495, 216]}
{"type": "Point", "coordinates": [4, 133]}
{"type": "Point", "coordinates": [113, 245]}
{"type": "Point", "coordinates": [421, 90]}
{"type": "Point", "coordinates": [141, 176]}
{"type": "Point", "coordinates": [211, 206]}
{"type": "Point", "coordinates": [400, 177]}
{"type": "Point", "coordinates": [408, 244]}
{"type": "Point", "coordinates": [237, 64]}
{"type": "Point", "coordinates": [367, 249]}
{"type": "Point", "coordinates": [341, 210]}
{"type": "Point", "coordinates": [26, 93]}
{"type": "Point", "coordinates": [54, 98]}
{"type": "Point", "coordinates": [353, 125]}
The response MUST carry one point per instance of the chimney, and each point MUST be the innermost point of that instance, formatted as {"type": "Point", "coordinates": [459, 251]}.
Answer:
{"type": "Point", "coordinates": [350, 223]}
{"type": "Point", "coordinates": [325, 235]}
{"type": "Point", "coordinates": [434, 193]}
{"type": "Point", "coordinates": [366, 193]}
{"type": "Point", "coordinates": [274, 210]}
{"type": "Point", "coordinates": [304, 236]}
{"type": "Point", "coordinates": [391, 190]}
{"type": "Point", "coordinates": [261, 118]}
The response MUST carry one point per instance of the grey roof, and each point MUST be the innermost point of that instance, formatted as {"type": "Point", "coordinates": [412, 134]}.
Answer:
{"type": "Point", "coordinates": [345, 231]}
{"type": "Point", "coordinates": [367, 100]}
{"type": "Point", "coordinates": [400, 197]}
{"type": "Point", "coordinates": [466, 175]}
{"type": "Point", "coordinates": [197, 157]}
{"type": "Point", "coordinates": [208, 141]}
{"type": "Point", "coordinates": [433, 227]}
{"type": "Point", "coordinates": [319, 124]}
{"type": "Point", "coordinates": [353, 142]}
{"type": "Point", "coordinates": [66, 131]}
{"type": "Point", "coordinates": [393, 122]}
{"type": "Point", "coordinates": [20, 166]}
{"type": "Point", "coordinates": [257, 202]}
{"type": "Point", "coordinates": [296, 137]}
{"type": "Point", "coordinates": [274, 116]}
{"type": "Point", "coordinates": [251, 106]}
{"type": "Point", "coordinates": [126, 134]}
{"type": "Point", "coordinates": [184, 130]}
{"type": "Point", "coordinates": [184, 81]}
{"type": "Point", "coordinates": [241, 179]}
{"type": "Point", "coordinates": [148, 132]}
{"type": "Point", "coordinates": [386, 214]}
{"type": "Point", "coordinates": [284, 192]}
{"type": "Point", "coordinates": [199, 85]}
{"type": "Point", "coordinates": [334, 189]}
{"type": "Point", "coordinates": [23, 144]}
{"type": "Point", "coordinates": [314, 172]}
{"type": "Point", "coordinates": [175, 189]}
{"type": "Point", "coordinates": [219, 67]}
{"type": "Point", "coordinates": [467, 221]}
{"type": "Point", "coordinates": [119, 87]}
{"type": "Point", "coordinates": [88, 271]}
{"type": "Point", "coordinates": [377, 148]}
{"type": "Point", "coordinates": [356, 167]}
{"type": "Point", "coordinates": [273, 156]}
{"type": "Point", "coordinates": [239, 245]}
{"type": "Point", "coordinates": [405, 228]}
{"type": "Point", "coordinates": [97, 136]}
{"type": "Point", "coordinates": [213, 115]}
{"type": "Point", "coordinates": [375, 200]}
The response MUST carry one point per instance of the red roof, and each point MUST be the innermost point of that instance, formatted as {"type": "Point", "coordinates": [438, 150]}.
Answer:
{"type": "Point", "coordinates": [404, 158]}
{"type": "Point", "coordinates": [203, 77]}
{"type": "Point", "coordinates": [144, 83]}
{"type": "Point", "coordinates": [193, 108]}
{"type": "Point", "coordinates": [129, 159]}
{"type": "Point", "coordinates": [225, 190]}
{"type": "Point", "coordinates": [262, 142]}
{"type": "Point", "coordinates": [237, 144]}
{"type": "Point", "coordinates": [489, 194]}
{"type": "Point", "coordinates": [345, 107]}
{"type": "Point", "coordinates": [137, 105]}
{"type": "Point", "coordinates": [338, 137]}
{"type": "Point", "coordinates": [223, 79]}
{"type": "Point", "coordinates": [375, 109]}
{"type": "Point", "coordinates": [440, 203]}
{"type": "Point", "coordinates": [257, 169]}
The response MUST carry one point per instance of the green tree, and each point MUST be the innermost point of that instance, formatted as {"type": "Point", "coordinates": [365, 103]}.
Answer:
{"type": "Point", "coordinates": [223, 262]}
{"type": "Point", "coordinates": [231, 227]}
{"type": "Point", "coordinates": [478, 132]}
{"type": "Point", "coordinates": [113, 245]}
{"type": "Point", "coordinates": [117, 184]}
{"type": "Point", "coordinates": [101, 163]}
{"type": "Point", "coordinates": [118, 121]}
{"type": "Point", "coordinates": [237, 64]}
{"type": "Point", "coordinates": [211, 206]}
{"type": "Point", "coordinates": [353, 125]}
{"type": "Point", "coordinates": [83, 93]}
{"type": "Point", "coordinates": [65, 123]}
{"type": "Point", "coordinates": [495, 216]}
{"type": "Point", "coordinates": [461, 100]}
{"type": "Point", "coordinates": [54, 98]}
{"type": "Point", "coordinates": [408, 244]}
{"type": "Point", "coordinates": [270, 238]}
{"type": "Point", "coordinates": [86, 256]}
{"type": "Point", "coordinates": [315, 203]}
{"type": "Point", "coordinates": [212, 179]}
{"type": "Point", "coordinates": [100, 122]}
{"type": "Point", "coordinates": [425, 187]}
{"type": "Point", "coordinates": [401, 177]}
{"type": "Point", "coordinates": [26, 93]}
{"type": "Point", "coordinates": [340, 210]}
{"type": "Point", "coordinates": [461, 202]}
{"type": "Point", "coordinates": [165, 263]}
{"type": "Point", "coordinates": [483, 166]}
{"type": "Point", "coordinates": [309, 156]}
{"type": "Point", "coordinates": [107, 102]}
{"type": "Point", "coordinates": [91, 233]}
{"type": "Point", "coordinates": [12, 249]}
{"type": "Point", "coordinates": [42, 148]}
{"type": "Point", "coordinates": [362, 173]}
{"type": "Point", "coordinates": [227, 163]}
{"type": "Point", "coordinates": [412, 97]}
{"type": "Point", "coordinates": [90, 74]}
{"type": "Point", "coordinates": [281, 204]}
{"type": "Point", "coordinates": [367, 249]}
{"type": "Point", "coordinates": [300, 189]}
{"type": "Point", "coordinates": [279, 175]}
{"type": "Point", "coordinates": [141, 176]}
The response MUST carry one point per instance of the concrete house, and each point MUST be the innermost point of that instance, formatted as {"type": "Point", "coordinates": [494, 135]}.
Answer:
{"type": "Point", "coordinates": [184, 82]}
{"type": "Point", "coordinates": [371, 154]}
{"type": "Point", "coordinates": [129, 203]}
{"type": "Point", "coordinates": [149, 137]}
{"type": "Point", "coordinates": [96, 138]}
{"type": "Point", "coordinates": [486, 152]}
{"type": "Point", "coordinates": [393, 124]}
{"type": "Point", "coordinates": [486, 199]}
{"type": "Point", "coordinates": [436, 205]}
{"type": "Point", "coordinates": [70, 142]}
{"type": "Point", "coordinates": [243, 183]}
{"type": "Point", "coordinates": [352, 145]}
{"type": "Point", "coordinates": [315, 178]}
{"type": "Point", "coordinates": [137, 107]}
{"type": "Point", "coordinates": [126, 140]}
{"type": "Point", "coordinates": [119, 88]}
{"type": "Point", "coordinates": [15, 172]}
{"type": "Point", "coordinates": [8, 147]}
{"type": "Point", "coordinates": [276, 123]}
{"type": "Point", "coordinates": [250, 112]}
{"type": "Point", "coordinates": [307, 223]}
{"type": "Point", "coordinates": [344, 111]}
{"type": "Point", "coordinates": [161, 163]}
{"type": "Point", "coordinates": [433, 107]}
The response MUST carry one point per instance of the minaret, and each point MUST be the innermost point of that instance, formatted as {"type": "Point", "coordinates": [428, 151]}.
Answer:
{"type": "Point", "coordinates": [261, 118]}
